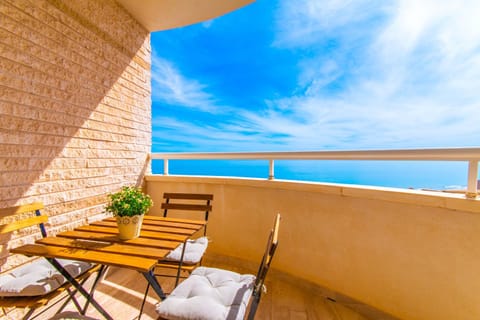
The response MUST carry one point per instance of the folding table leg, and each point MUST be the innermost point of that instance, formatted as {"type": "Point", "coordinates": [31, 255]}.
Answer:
{"type": "Point", "coordinates": [80, 289]}
{"type": "Point", "coordinates": [143, 301]}
{"type": "Point", "coordinates": [101, 273]}
{"type": "Point", "coordinates": [71, 294]}
{"type": "Point", "coordinates": [152, 280]}
{"type": "Point", "coordinates": [180, 263]}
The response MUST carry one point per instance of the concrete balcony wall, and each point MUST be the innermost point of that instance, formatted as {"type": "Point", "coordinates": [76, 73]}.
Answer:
{"type": "Point", "coordinates": [412, 254]}
{"type": "Point", "coordinates": [75, 118]}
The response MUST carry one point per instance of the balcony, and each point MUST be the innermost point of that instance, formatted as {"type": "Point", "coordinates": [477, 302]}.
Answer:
{"type": "Point", "coordinates": [75, 104]}
{"type": "Point", "coordinates": [388, 248]}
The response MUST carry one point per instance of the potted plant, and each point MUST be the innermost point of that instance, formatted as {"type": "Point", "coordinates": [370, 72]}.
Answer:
{"type": "Point", "coordinates": [129, 205]}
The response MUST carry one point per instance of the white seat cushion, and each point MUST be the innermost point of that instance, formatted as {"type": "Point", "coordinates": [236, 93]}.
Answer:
{"type": "Point", "coordinates": [209, 294]}
{"type": "Point", "coordinates": [193, 252]}
{"type": "Point", "coordinates": [38, 278]}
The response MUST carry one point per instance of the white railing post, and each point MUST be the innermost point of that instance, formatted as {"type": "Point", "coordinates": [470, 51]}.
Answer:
{"type": "Point", "coordinates": [165, 167]}
{"type": "Point", "coordinates": [271, 170]}
{"type": "Point", "coordinates": [472, 179]}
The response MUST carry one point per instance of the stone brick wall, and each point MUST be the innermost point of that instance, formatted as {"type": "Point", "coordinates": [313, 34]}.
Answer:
{"type": "Point", "coordinates": [75, 99]}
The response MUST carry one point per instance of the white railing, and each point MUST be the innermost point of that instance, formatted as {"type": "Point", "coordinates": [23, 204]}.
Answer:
{"type": "Point", "coordinates": [470, 155]}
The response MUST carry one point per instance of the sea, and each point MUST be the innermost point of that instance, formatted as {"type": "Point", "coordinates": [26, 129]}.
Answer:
{"type": "Point", "coordinates": [436, 175]}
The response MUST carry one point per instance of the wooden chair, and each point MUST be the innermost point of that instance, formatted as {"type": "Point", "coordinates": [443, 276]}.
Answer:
{"type": "Point", "coordinates": [184, 203]}
{"type": "Point", "coordinates": [37, 282]}
{"type": "Point", "coordinates": [210, 293]}
{"type": "Point", "coordinates": [178, 205]}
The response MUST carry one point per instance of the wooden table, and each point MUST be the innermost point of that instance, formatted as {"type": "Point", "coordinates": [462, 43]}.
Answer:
{"type": "Point", "coordinates": [98, 243]}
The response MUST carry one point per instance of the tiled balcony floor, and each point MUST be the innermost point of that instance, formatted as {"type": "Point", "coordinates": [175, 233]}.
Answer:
{"type": "Point", "coordinates": [121, 294]}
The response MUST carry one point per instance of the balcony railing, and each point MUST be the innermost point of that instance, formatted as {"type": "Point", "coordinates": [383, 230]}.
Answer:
{"type": "Point", "coordinates": [469, 155]}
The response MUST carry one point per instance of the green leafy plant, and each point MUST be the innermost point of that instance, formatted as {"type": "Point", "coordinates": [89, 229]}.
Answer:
{"type": "Point", "coordinates": [128, 202]}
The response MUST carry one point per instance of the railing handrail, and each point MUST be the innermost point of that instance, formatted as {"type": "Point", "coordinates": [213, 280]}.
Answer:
{"type": "Point", "coordinates": [471, 155]}
{"type": "Point", "coordinates": [443, 154]}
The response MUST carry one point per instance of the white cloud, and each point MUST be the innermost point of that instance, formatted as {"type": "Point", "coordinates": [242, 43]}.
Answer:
{"type": "Point", "coordinates": [170, 86]}
{"type": "Point", "coordinates": [182, 134]}
{"type": "Point", "coordinates": [304, 22]}
{"type": "Point", "coordinates": [414, 83]}
{"type": "Point", "coordinates": [430, 42]}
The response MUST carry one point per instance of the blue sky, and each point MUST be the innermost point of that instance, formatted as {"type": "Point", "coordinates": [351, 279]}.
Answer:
{"type": "Point", "coordinates": [283, 75]}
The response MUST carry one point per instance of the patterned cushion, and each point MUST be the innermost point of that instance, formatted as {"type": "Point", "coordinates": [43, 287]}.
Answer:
{"type": "Point", "coordinates": [38, 277]}
{"type": "Point", "coordinates": [209, 294]}
{"type": "Point", "coordinates": [193, 253]}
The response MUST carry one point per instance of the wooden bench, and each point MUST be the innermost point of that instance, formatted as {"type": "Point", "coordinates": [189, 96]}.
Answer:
{"type": "Point", "coordinates": [17, 218]}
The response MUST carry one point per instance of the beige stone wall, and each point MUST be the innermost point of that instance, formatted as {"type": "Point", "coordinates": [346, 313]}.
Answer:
{"type": "Point", "coordinates": [75, 106]}
{"type": "Point", "coordinates": [412, 254]}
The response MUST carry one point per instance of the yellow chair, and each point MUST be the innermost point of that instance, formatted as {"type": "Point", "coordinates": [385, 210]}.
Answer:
{"type": "Point", "coordinates": [37, 282]}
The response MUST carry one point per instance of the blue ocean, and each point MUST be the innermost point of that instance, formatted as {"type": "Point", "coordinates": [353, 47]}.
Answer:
{"type": "Point", "coordinates": [402, 174]}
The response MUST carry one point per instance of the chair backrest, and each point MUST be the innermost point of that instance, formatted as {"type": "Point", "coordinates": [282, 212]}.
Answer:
{"type": "Point", "coordinates": [272, 244]}
{"type": "Point", "coordinates": [18, 221]}
{"type": "Point", "coordinates": [188, 202]}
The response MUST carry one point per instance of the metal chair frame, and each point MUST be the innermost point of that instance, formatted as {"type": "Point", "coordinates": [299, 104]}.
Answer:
{"type": "Point", "coordinates": [272, 244]}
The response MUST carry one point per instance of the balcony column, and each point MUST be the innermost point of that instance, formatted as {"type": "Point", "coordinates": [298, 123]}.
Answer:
{"type": "Point", "coordinates": [271, 169]}
{"type": "Point", "coordinates": [165, 167]}
{"type": "Point", "coordinates": [472, 188]}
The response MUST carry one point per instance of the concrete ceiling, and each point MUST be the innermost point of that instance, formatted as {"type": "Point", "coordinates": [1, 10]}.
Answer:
{"type": "Point", "coordinates": [156, 15]}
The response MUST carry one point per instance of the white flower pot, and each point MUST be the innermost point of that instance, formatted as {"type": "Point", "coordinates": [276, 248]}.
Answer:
{"type": "Point", "coordinates": [129, 227]}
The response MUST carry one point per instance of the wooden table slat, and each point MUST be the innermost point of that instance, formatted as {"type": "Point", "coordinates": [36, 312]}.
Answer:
{"type": "Point", "coordinates": [143, 234]}
{"type": "Point", "coordinates": [131, 250]}
{"type": "Point", "coordinates": [147, 227]}
{"type": "Point", "coordinates": [132, 262]}
{"type": "Point", "coordinates": [95, 236]}
{"type": "Point", "coordinates": [147, 220]}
